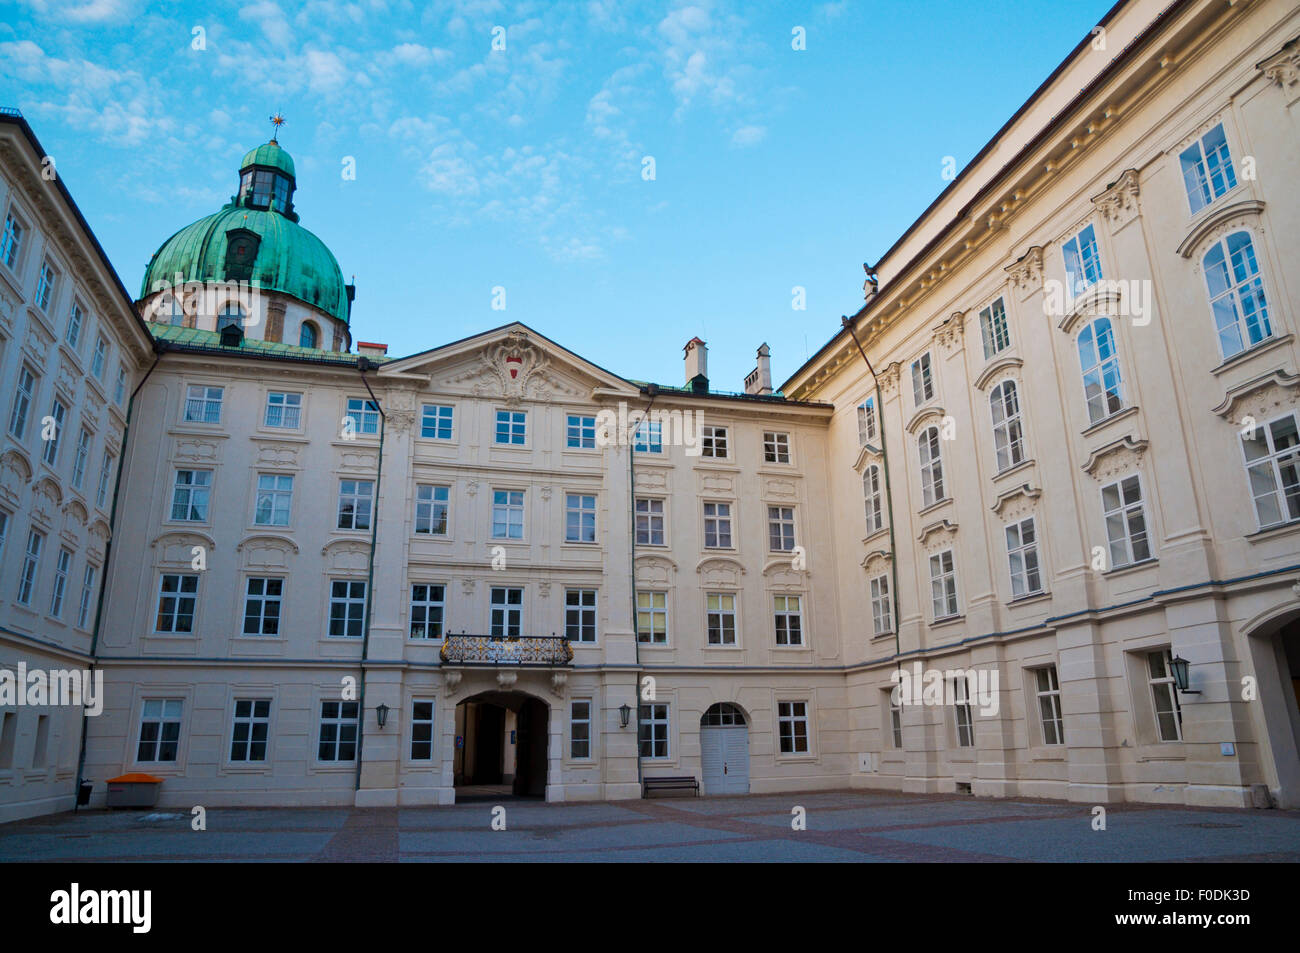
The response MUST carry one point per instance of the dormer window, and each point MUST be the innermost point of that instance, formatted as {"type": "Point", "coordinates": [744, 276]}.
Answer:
{"type": "Point", "coordinates": [259, 187]}
{"type": "Point", "coordinates": [231, 316]}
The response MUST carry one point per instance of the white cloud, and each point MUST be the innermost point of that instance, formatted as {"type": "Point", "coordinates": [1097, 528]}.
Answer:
{"type": "Point", "coordinates": [748, 136]}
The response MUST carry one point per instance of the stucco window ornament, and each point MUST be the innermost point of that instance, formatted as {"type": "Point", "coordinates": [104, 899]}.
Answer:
{"type": "Point", "coordinates": [1026, 272]}
{"type": "Point", "coordinates": [1283, 67]}
{"type": "Point", "coordinates": [1115, 458]}
{"type": "Point", "coordinates": [1119, 203]}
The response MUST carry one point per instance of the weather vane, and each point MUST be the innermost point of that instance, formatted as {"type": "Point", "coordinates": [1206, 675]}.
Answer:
{"type": "Point", "coordinates": [277, 121]}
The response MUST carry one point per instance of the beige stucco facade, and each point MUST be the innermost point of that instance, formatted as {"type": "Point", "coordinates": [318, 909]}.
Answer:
{"type": "Point", "coordinates": [1045, 482]}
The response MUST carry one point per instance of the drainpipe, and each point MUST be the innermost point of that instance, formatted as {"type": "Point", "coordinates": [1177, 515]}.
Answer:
{"type": "Point", "coordinates": [363, 365]}
{"type": "Point", "coordinates": [889, 496]}
{"type": "Point", "coordinates": [159, 348]}
{"type": "Point", "coordinates": [653, 391]}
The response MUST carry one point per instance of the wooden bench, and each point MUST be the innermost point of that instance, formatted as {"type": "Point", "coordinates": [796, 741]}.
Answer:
{"type": "Point", "coordinates": [670, 784]}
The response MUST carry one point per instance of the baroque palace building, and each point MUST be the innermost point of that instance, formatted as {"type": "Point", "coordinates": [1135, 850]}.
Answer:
{"type": "Point", "coordinates": [1055, 449]}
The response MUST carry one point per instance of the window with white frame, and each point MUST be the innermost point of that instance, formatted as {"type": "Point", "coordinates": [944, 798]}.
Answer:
{"type": "Point", "coordinates": [364, 414]}
{"type": "Point", "coordinates": [1272, 452]}
{"type": "Point", "coordinates": [432, 509]}
{"type": "Point", "coordinates": [1207, 169]}
{"type": "Point", "coordinates": [792, 726]}
{"type": "Point", "coordinates": [338, 731]}
{"type": "Point", "coordinates": [717, 525]}
{"type": "Point", "coordinates": [203, 404]}
{"type": "Point", "coordinates": [191, 493]}
{"type": "Point", "coordinates": [22, 408]}
{"type": "Point", "coordinates": [31, 564]}
{"type": "Point", "coordinates": [580, 432]}
{"type": "Point", "coordinates": [962, 714]}
{"type": "Point", "coordinates": [894, 703]}
{"type": "Point", "coordinates": [580, 615]}
{"type": "Point", "coordinates": [882, 609]}
{"type": "Point", "coordinates": [1126, 521]}
{"type": "Point", "coordinates": [720, 618]}
{"type": "Point", "coordinates": [283, 410]}
{"type": "Point", "coordinates": [867, 428]}
{"type": "Point", "coordinates": [347, 608]}
{"type": "Point", "coordinates": [873, 499]}
{"type": "Point", "coordinates": [1008, 432]}
{"type": "Point", "coordinates": [177, 595]}
{"type": "Point", "coordinates": [993, 328]}
{"type": "Point", "coordinates": [932, 489]}
{"type": "Point", "coordinates": [943, 585]}
{"type": "Point", "coordinates": [922, 380]}
{"type": "Point", "coordinates": [1164, 695]}
{"type": "Point", "coordinates": [87, 594]}
{"type": "Point", "coordinates": [1236, 291]}
{"type": "Point", "coordinates": [580, 729]}
{"type": "Point", "coordinates": [50, 454]}
{"type": "Point", "coordinates": [507, 611]}
{"type": "Point", "coordinates": [62, 566]}
{"type": "Point", "coordinates": [1099, 363]}
{"type": "Point", "coordinates": [652, 617]}
{"type": "Point", "coordinates": [98, 358]}
{"type": "Point", "coordinates": [436, 421]}
{"type": "Point", "coordinates": [713, 442]}
{"type": "Point", "coordinates": [1022, 557]}
{"type": "Point", "coordinates": [649, 522]}
{"type": "Point", "coordinates": [648, 437]}
{"type": "Point", "coordinates": [76, 320]}
{"type": "Point", "coordinates": [356, 498]}
{"type": "Point", "coordinates": [776, 447]}
{"type": "Point", "coordinates": [160, 729]}
{"type": "Point", "coordinates": [105, 475]}
{"type": "Point", "coordinates": [1082, 262]}
{"type": "Point", "coordinates": [788, 616]}
{"type": "Point", "coordinates": [653, 731]}
{"type": "Point", "coordinates": [263, 597]}
{"type": "Point", "coordinates": [422, 729]}
{"type": "Point", "coordinates": [45, 281]}
{"type": "Point", "coordinates": [11, 241]}
{"type": "Point", "coordinates": [428, 602]}
{"type": "Point", "coordinates": [274, 499]}
{"type": "Point", "coordinates": [780, 529]}
{"type": "Point", "coordinates": [512, 427]}
{"type": "Point", "coordinates": [579, 518]}
{"type": "Point", "coordinates": [1048, 691]}
{"type": "Point", "coordinates": [507, 514]}
{"type": "Point", "coordinates": [251, 729]}
{"type": "Point", "coordinates": [79, 459]}
{"type": "Point", "coordinates": [4, 532]}
{"type": "Point", "coordinates": [119, 386]}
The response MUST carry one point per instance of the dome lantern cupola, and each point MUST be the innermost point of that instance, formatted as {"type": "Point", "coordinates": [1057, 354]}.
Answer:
{"type": "Point", "coordinates": [266, 180]}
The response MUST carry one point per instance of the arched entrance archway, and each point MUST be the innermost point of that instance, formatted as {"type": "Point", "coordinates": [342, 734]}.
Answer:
{"type": "Point", "coordinates": [501, 745]}
{"type": "Point", "coordinates": [1275, 655]}
{"type": "Point", "coordinates": [724, 750]}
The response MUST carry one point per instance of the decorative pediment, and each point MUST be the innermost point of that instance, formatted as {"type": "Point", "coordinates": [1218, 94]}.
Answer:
{"type": "Point", "coordinates": [47, 488]}
{"type": "Point", "coordinates": [867, 453]}
{"type": "Point", "coordinates": [720, 571]}
{"type": "Point", "coordinates": [76, 510]}
{"type": "Point", "coordinates": [15, 474]}
{"type": "Point", "coordinates": [65, 380]}
{"type": "Point", "coordinates": [514, 369]}
{"type": "Point", "coordinates": [779, 575]}
{"type": "Point", "coordinates": [1103, 298]}
{"type": "Point", "coordinates": [1231, 218]}
{"type": "Point", "coordinates": [950, 334]}
{"type": "Point", "coordinates": [38, 343]}
{"type": "Point", "coordinates": [1119, 203]}
{"type": "Point", "coordinates": [1283, 67]}
{"type": "Point", "coordinates": [267, 551]}
{"type": "Point", "coordinates": [923, 415]}
{"type": "Point", "coordinates": [937, 534]}
{"type": "Point", "coordinates": [876, 560]}
{"type": "Point", "coordinates": [1260, 397]}
{"type": "Point", "coordinates": [1006, 366]}
{"type": "Point", "coordinates": [889, 378]}
{"type": "Point", "coordinates": [347, 555]}
{"type": "Point", "coordinates": [1026, 272]}
{"type": "Point", "coordinates": [653, 569]}
{"type": "Point", "coordinates": [1118, 456]}
{"type": "Point", "coordinates": [1015, 503]}
{"type": "Point", "coordinates": [178, 547]}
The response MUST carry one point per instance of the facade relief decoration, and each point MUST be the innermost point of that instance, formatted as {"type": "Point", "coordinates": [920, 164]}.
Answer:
{"type": "Point", "coordinates": [1115, 458]}
{"type": "Point", "coordinates": [1119, 203]}
{"type": "Point", "coordinates": [1027, 272]}
{"type": "Point", "coordinates": [1261, 397]}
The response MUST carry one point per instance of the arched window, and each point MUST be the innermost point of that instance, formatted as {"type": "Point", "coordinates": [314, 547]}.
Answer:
{"type": "Point", "coordinates": [170, 310]}
{"type": "Point", "coordinates": [1008, 436]}
{"type": "Point", "coordinates": [723, 714]}
{"type": "Point", "coordinates": [931, 466]}
{"type": "Point", "coordinates": [231, 314]}
{"type": "Point", "coordinates": [1099, 362]}
{"type": "Point", "coordinates": [307, 336]}
{"type": "Point", "coordinates": [871, 493]}
{"type": "Point", "coordinates": [1236, 294]}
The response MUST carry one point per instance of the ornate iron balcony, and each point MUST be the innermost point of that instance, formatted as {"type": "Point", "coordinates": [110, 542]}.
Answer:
{"type": "Point", "coordinates": [546, 650]}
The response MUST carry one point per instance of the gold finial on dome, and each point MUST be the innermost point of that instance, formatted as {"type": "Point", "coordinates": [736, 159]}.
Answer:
{"type": "Point", "coordinates": [277, 121]}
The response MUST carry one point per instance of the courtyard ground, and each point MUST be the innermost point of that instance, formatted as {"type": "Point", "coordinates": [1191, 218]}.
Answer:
{"type": "Point", "coordinates": [842, 826]}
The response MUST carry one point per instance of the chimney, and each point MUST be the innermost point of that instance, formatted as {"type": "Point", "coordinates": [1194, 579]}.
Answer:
{"type": "Point", "coordinates": [697, 365]}
{"type": "Point", "coordinates": [759, 380]}
{"type": "Point", "coordinates": [371, 350]}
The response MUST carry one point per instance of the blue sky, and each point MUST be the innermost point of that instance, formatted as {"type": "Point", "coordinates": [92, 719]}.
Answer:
{"type": "Point", "coordinates": [523, 167]}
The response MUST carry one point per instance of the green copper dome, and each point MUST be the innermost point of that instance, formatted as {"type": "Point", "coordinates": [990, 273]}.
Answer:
{"type": "Point", "coordinates": [271, 156]}
{"type": "Point", "coordinates": [257, 238]}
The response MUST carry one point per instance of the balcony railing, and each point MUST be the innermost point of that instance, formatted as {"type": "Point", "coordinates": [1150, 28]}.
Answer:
{"type": "Point", "coordinates": [500, 650]}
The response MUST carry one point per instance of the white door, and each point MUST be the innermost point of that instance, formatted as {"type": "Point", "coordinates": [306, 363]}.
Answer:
{"type": "Point", "coordinates": [725, 755]}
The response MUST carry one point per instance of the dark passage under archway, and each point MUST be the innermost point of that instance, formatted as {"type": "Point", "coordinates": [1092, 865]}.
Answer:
{"type": "Point", "coordinates": [501, 741]}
